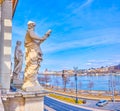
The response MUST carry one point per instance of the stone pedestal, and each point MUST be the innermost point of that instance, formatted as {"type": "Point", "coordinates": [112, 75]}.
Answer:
{"type": "Point", "coordinates": [24, 101]}
{"type": "Point", "coordinates": [17, 83]}
{"type": "Point", "coordinates": [34, 104]}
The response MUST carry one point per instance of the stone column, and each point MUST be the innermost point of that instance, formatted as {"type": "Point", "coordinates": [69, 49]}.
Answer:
{"type": "Point", "coordinates": [0, 40]}
{"type": "Point", "coordinates": [5, 43]}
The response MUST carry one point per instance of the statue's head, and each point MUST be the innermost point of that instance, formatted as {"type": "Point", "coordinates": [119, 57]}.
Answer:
{"type": "Point", "coordinates": [31, 24]}
{"type": "Point", "coordinates": [18, 43]}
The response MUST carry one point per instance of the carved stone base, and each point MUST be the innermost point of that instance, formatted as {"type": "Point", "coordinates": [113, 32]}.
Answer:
{"type": "Point", "coordinates": [35, 88]}
{"type": "Point", "coordinates": [34, 104]}
{"type": "Point", "coordinates": [32, 86]}
{"type": "Point", "coordinates": [17, 83]}
{"type": "Point", "coordinates": [24, 101]}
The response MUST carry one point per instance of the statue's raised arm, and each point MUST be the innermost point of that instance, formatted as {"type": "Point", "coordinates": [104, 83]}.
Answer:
{"type": "Point", "coordinates": [33, 57]}
{"type": "Point", "coordinates": [31, 36]}
{"type": "Point", "coordinates": [36, 37]}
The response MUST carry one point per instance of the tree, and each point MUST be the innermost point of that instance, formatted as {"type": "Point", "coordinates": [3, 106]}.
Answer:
{"type": "Point", "coordinates": [80, 85]}
{"type": "Point", "coordinates": [90, 85]}
{"type": "Point", "coordinates": [46, 79]}
{"type": "Point", "coordinates": [72, 84]}
{"type": "Point", "coordinates": [65, 79]}
{"type": "Point", "coordinates": [57, 82]}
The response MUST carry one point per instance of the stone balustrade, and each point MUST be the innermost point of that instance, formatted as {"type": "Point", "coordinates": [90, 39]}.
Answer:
{"type": "Point", "coordinates": [24, 101]}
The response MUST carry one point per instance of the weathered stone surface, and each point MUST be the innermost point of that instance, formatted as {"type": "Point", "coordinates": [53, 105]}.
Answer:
{"type": "Point", "coordinates": [23, 101]}
{"type": "Point", "coordinates": [1, 104]}
{"type": "Point", "coordinates": [34, 104]}
{"type": "Point", "coordinates": [14, 104]}
{"type": "Point", "coordinates": [35, 88]}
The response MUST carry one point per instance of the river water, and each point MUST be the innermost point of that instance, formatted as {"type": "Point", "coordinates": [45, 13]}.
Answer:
{"type": "Point", "coordinates": [101, 82]}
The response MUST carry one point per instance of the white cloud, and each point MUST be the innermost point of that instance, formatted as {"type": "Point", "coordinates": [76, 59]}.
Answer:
{"type": "Point", "coordinates": [77, 9]}
{"type": "Point", "coordinates": [99, 63]}
{"type": "Point", "coordinates": [100, 38]}
{"type": "Point", "coordinates": [86, 3]}
{"type": "Point", "coordinates": [88, 38]}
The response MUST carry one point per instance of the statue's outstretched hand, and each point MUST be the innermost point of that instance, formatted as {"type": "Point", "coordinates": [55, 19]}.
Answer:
{"type": "Point", "coordinates": [48, 32]}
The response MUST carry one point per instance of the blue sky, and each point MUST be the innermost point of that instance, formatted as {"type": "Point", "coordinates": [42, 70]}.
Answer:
{"type": "Point", "coordinates": [85, 33]}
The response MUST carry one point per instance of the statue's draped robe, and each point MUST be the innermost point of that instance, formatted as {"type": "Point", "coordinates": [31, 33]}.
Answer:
{"type": "Point", "coordinates": [18, 61]}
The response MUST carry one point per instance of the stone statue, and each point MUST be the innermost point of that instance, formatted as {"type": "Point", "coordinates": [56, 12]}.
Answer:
{"type": "Point", "coordinates": [18, 60]}
{"type": "Point", "coordinates": [33, 58]}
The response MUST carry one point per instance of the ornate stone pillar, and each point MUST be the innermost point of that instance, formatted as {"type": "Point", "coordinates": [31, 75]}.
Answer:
{"type": "Point", "coordinates": [5, 43]}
